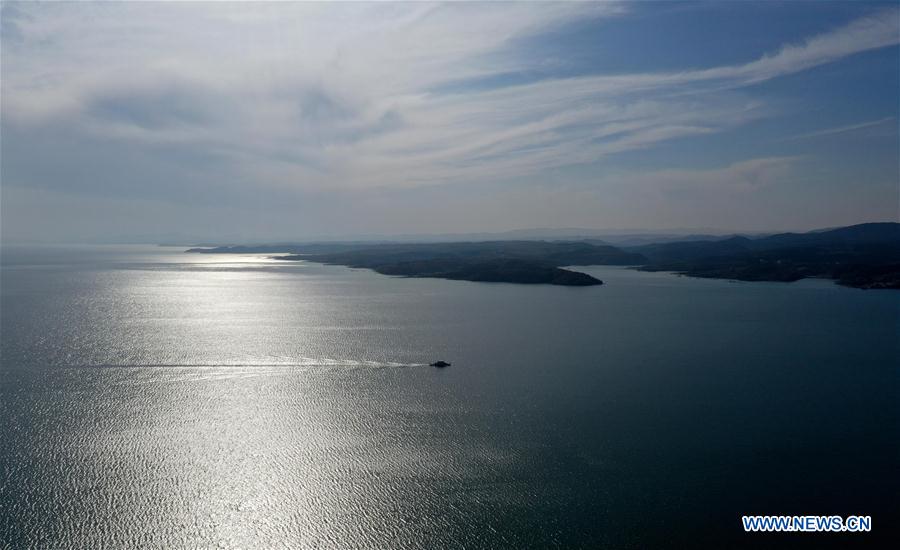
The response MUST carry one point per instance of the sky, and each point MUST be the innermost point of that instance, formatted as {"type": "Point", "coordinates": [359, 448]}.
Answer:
{"type": "Point", "coordinates": [241, 122]}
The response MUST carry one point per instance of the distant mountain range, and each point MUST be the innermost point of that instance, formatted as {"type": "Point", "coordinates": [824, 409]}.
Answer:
{"type": "Point", "coordinates": [615, 237]}
{"type": "Point", "coordinates": [863, 256]}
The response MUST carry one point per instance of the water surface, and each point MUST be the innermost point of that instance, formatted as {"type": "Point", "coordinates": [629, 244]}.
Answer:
{"type": "Point", "coordinates": [152, 398]}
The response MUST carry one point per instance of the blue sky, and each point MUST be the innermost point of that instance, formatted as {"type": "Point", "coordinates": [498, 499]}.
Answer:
{"type": "Point", "coordinates": [301, 120]}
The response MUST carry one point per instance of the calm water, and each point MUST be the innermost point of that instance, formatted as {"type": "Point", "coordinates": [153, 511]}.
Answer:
{"type": "Point", "coordinates": [152, 398]}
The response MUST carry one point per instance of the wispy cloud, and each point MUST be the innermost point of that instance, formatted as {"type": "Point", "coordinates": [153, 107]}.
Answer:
{"type": "Point", "coordinates": [347, 96]}
{"type": "Point", "coordinates": [844, 129]}
{"type": "Point", "coordinates": [872, 31]}
{"type": "Point", "coordinates": [738, 177]}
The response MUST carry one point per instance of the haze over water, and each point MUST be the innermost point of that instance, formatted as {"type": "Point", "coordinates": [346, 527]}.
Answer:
{"type": "Point", "coordinates": [160, 399]}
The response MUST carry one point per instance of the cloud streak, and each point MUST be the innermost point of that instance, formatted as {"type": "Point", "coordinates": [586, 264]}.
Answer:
{"type": "Point", "coordinates": [178, 101]}
{"type": "Point", "coordinates": [844, 129]}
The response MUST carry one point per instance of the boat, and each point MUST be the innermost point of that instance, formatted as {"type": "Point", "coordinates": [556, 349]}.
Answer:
{"type": "Point", "coordinates": [440, 364]}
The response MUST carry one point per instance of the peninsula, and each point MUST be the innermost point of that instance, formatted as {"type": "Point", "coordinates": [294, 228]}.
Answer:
{"type": "Point", "coordinates": [862, 256]}
{"type": "Point", "coordinates": [522, 262]}
{"type": "Point", "coordinates": [485, 271]}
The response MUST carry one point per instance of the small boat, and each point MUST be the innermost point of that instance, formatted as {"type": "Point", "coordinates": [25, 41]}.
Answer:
{"type": "Point", "coordinates": [440, 364]}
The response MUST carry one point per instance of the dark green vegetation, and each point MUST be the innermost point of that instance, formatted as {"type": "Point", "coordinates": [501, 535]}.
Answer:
{"type": "Point", "coordinates": [862, 256]}
{"type": "Point", "coordinates": [557, 253]}
{"type": "Point", "coordinates": [488, 271]}
{"type": "Point", "coordinates": [525, 262]}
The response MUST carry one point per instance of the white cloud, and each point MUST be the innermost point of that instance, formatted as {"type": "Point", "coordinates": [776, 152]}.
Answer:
{"type": "Point", "coordinates": [342, 96]}
{"type": "Point", "coordinates": [739, 177]}
{"type": "Point", "coordinates": [846, 128]}
{"type": "Point", "coordinates": [876, 30]}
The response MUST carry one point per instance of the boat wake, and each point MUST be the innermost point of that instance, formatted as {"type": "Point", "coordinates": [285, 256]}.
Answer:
{"type": "Point", "coordinates": [267, 362]}
{"type": "Point", "coordinates": [141, 373]}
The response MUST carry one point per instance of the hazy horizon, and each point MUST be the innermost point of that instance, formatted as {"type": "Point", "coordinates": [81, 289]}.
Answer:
{"type": "Point", "coordinates": [525, 233]}
{"type": "Point", "coordinates": [298, 121]}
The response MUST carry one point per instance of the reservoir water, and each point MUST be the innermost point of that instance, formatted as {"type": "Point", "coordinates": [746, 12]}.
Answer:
{"type": "Point", "coordinates": [152, 398]}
